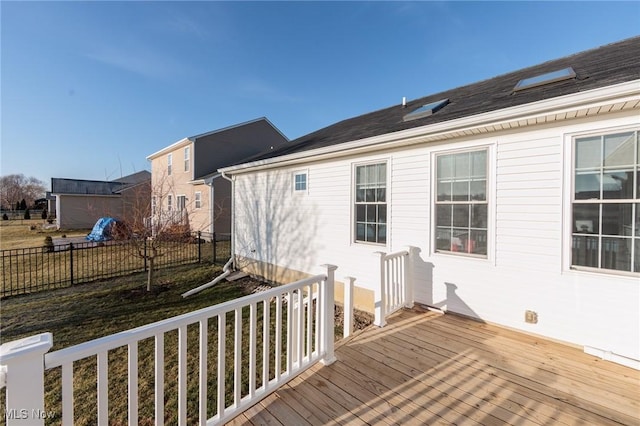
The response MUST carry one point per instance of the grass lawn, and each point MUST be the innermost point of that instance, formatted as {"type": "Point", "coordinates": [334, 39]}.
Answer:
{"type": "Point", "coordinates": [18, 233]}
{"type": "Point", "coordinates": [81, 313]}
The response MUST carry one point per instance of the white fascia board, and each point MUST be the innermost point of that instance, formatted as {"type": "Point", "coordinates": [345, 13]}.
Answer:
{"type": "Point", "coordinates": [592, 98]}
{"type": "Point", "coordinates": [172, 147]}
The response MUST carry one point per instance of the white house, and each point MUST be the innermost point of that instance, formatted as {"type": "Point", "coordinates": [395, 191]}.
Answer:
{"type": "Point", "coordinates": [521, 193]}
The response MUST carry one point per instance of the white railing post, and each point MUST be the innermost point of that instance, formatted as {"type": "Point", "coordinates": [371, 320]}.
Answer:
{"type": "Point", "coordinates": [380, 302]}
{"type": "Point", "coordinates": [409, 275]}
{"type": "Point", "coordinates": [24, 366]}
{"type": "Point", "coordinates": [328, 311]}
{"type": "Point", "coordinates": [348, 307]}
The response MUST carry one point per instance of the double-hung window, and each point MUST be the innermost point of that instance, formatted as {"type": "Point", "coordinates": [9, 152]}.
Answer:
{"type": "Point", "coordinates": [187, 158]}
{"type": "Point", "coordinates": [371, 203]}
{"type": "Point", "coordinates": [461, 207]}
{"type": "Point", "coordinates": [198, 199]}
{"type": "Point", "coordinates": [169, 202]}
{"type": "Point", "coordinates": [606, 202]}
{"type": "Point", "coordinates": [169, 164]}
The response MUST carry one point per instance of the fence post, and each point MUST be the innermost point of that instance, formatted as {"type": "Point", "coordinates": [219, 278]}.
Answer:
{"type": "Point", "coordinates": [145, 254]}
{"type": "Point", "coordinates": [22, 363]}
{"type": "Point", "coordinates": [199, 247]}
{"type": "Point", "coordinates": [410, 263]}
{"type": "Point", "coordinates": [214, 248]}
{"type": "Point", "coordinates": [71, 261]}
{"type": "Point", "coordinates": [348, 307]}
{"type": "Point", "coordinates": [380, 302]}
{"type": "Point", "coordinates": [328, 314]}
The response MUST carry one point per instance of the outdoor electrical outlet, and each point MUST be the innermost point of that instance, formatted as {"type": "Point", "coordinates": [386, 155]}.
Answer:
{"type": "Point", "coordinates": [531, 317]}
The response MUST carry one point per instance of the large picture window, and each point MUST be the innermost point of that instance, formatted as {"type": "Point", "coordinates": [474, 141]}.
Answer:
{"type": "Point", "coordinates": [371, 203]}
{"type": "Point", "coordinates": [606, 202]}
{"type": "Point", "coordinates": [461, 202]}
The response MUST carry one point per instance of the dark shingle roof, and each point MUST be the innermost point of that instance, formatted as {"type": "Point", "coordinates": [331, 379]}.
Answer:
{"type": "Point", "coordinates": [604, 66]}
{"type": "Point", "coordinates": [97, 187]}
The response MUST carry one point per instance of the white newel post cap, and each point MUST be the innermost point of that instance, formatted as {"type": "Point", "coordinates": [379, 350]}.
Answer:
{"type": "Point", "coordinates": [22, 363]}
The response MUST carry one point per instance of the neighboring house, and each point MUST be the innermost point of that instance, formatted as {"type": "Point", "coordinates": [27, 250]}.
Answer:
{"type": "Point", "coordinates": [521, 192]}
{"type": "Point", "coordinates": [80, 203]}
{"type": "Point", "coordinates": [186, 187]}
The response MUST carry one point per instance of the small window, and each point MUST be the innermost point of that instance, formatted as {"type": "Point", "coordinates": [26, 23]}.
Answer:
{"type": "Point", "coordinates": [182, 202]}
{"type": "Point", "coordinates": [550, 77]}
{"type": "Point", "coordinates": [169, 163]}
{"type": "Point", "coordinates": [186, 159]}
{"type": "Point", "coordinates": [300, 181]}
{"type": "Point", "coordinates": [461, 207]}
{"type": "Point", "coordinates": [154, 202]}
{"type": "Point", "coordinates": [198, 200]}
{"type": "Point", "coordinates": [371, 203]}
{"type": "Point", "coordinates": [426, 110]}
{"type": "Point", "coordinates": [169, 202]}
{"type": "Point", "coordinates": [606, 202]}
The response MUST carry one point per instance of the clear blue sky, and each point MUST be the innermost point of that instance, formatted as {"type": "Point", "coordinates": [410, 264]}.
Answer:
{"type": "Point", "coordinates": [90, 89]}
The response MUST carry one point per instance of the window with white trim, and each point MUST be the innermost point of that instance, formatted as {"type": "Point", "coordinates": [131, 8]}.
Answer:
{"type": "Point", "coordinates": [154, 202]}
{"type": "Point", "coordinates": [300, 181]}
{"type": "Point", "coordinates": [169, 202]}
{"type": "Point", "coordinates": [371, 203]}
{"type": "Point", "coordinates": [169, 164]}
{"type": "Point", "coordinates": [186, 158]}
{"type": "Point", "coordinates": [461, 207]}
{"type": "Point", "coordinates": [181, 201]}
{"type": "Point", "coordinates": [198, 199]}
{"type": "Point", "coordinates": [605, 213]}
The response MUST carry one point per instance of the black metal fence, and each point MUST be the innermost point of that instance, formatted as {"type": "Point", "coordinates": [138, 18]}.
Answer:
{"type": "Point", "coordinates": [66, 264]}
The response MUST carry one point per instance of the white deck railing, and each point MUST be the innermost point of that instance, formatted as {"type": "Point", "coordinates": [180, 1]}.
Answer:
{"type": "Point", "coordinates": [289, 328]}
{"type": "Point", "coordinates": [395, 289]}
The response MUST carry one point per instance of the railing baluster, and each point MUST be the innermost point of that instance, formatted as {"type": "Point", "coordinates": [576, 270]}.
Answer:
{"type": "Point", "coordinates": [278, 355]}
{"type": "Point", "coordinates": [252, 350]}
{"type": "Point", "coordinates": [103, 389]}
{"type": "Point", "coordinates": [309, 314]}
{"type": "Point", "coordinates": [159, 379]}
{"type": "Point", "coordinates": [182, 375]}
{"type": "Point", "coordinates": [299, 335]}
{"type": "Point", "coordinates": [222, 355]}
{"type": "Point", "coordinates": [237, 354]}
{"type": "Point", "coordinates": [133, 384]}
{"type": "Point", "coordinates": [266, 328]}
{"type": "Point", "coordinates": [202, 395]}
{"type": "Point", "coordinates": [289, 346]}
{"type": "Point", "coordinates": [67, 394]}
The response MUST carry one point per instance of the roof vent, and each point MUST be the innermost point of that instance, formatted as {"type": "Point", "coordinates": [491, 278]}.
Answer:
{"type": "Point", "coordinates": [404, 102]}
{"type": "Point", "coordinates": [426, 110]}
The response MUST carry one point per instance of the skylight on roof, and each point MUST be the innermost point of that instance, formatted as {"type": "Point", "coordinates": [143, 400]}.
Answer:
{"type": "Point", "coordinates": [550, 77]}
{"type": "Point", "coordinates": [426, 110]}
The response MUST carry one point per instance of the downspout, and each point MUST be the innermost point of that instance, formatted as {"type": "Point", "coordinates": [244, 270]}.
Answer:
{"type": "Point", "coordinates": [233, 221]}
{"type": "Point", "coordinates": [226, 271]}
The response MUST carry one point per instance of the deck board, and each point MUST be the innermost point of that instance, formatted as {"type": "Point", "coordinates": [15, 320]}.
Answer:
{"type": "Point", "coordinates": [429, 368]}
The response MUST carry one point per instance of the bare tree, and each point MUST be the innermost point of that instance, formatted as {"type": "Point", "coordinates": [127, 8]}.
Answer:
{"type": "Point", "coordinates": [154, 225]}
{"type": "Point", "coordinates": [17, 187]}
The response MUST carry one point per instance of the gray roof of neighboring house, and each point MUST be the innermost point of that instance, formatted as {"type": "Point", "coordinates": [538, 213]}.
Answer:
{"type": "Point", "coordinates": [97, 187]}
{"type": "Point", "coordinates": [604, 66]}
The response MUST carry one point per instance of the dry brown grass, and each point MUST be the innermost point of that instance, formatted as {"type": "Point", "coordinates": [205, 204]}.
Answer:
{"type": "Point", "coordinates": [19, 233]}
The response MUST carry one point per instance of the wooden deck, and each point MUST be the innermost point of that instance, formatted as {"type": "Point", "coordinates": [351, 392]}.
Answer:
{"type": "Point", "coordinates": [426, 368]}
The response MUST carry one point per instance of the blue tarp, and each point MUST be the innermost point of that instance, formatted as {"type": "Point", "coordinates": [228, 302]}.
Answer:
{"type": "Point", "coordinates": [102, 229]}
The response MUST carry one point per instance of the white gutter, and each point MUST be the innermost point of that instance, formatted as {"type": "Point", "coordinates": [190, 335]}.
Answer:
{"type": "Point", "coordinates": [595, 98]}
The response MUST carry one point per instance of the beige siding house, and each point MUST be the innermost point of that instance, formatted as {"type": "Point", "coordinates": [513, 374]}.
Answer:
{"type": "Point", "coordinates": [80, 203]}
{"type": "Point", "coordinates": [186, 188]}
